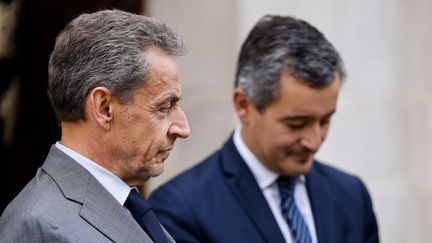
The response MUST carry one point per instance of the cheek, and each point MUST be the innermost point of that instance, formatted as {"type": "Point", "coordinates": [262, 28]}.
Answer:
{"type": "Point", "coordinates": [139, 136]}
{"type": "Point", "coordinates": [161, 128]}
{"type": "Point", "coordinates": [144, 126]}
{"type": "Point", "coordinates": [157, 135]}
{"type": "Point", "coordinates": [285, 140]}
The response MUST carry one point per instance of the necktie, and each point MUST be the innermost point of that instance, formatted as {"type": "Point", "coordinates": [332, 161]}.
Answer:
{"type": "Point", "coordinates": [142, 213]}
{"type": "Point", "coordinates": [292, 215]}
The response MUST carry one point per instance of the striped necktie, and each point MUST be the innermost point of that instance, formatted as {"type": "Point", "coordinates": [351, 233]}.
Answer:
{"type": "Point", "coordinates": [292, 215]}
{"type": "Point", "coordinates": [143, 214]}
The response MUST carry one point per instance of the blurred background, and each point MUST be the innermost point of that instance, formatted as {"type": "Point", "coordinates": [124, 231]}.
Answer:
{"type": "Point", "coordinates": [382, 130]}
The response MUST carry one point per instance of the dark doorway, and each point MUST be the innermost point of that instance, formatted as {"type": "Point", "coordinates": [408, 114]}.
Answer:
{"type": "Point", "coordinates": [35, 128]}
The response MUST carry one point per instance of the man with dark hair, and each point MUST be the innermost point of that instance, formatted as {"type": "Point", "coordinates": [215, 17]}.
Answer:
{"type": "Point", "coordinates": [264, 184]}
{"type": "Point", "coordinates": [114, 85]}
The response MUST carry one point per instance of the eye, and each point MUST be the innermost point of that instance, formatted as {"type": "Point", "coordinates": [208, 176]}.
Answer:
{"type": "Point", "coordinates": [167, 107]}
{"type": "Point", "coordinates": [325, 121]}
{"type": "Point", "coordinates": [164, 110]}
{"type": "Point", "coordinates": [295, 125]}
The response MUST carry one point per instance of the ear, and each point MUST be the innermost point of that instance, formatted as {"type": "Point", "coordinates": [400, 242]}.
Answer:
{"type": "Point", "coordinates": [242, 105]}
{"type": "Point", "coordinates": [101, 107]}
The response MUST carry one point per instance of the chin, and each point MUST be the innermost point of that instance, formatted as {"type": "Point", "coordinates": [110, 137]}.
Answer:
{"type": "Point", "coordinates": [297, 168]}
{"type": "Point", "coordinates": [305, 168]}
{"type": "Point", "coordinates": [157, 170]}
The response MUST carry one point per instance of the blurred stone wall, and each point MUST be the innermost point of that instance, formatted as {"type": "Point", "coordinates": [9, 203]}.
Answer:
{"type": "Point", "coordinates": [382, 130]}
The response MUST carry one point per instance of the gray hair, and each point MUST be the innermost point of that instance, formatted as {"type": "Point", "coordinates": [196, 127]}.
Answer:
{"type": "Point", "coordinates": [105, 48]}
{"type": "Point", "coordinates": [284, 44]}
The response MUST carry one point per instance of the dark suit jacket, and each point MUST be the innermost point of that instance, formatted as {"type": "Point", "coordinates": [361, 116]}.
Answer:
{"type": "Point", "coordinates": [219, 201]}
{"type": "Point", "coordinates": [65, 203]}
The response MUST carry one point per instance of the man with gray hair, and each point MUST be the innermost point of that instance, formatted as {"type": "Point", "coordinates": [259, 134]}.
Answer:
{"type": "Point", "coordinates": [264, 184]}
{"type": "Point", "coordinates": [114, 85]}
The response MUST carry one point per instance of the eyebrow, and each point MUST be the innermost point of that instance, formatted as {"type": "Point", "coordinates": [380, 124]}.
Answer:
{"type": "Point", "coordinates": [303, 118]}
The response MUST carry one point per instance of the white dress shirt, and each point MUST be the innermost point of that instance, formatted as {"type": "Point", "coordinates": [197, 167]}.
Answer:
{"type": "Point", "coordinates": [266, 180]}
{"type": "Point", "coordinates": [114, 185]}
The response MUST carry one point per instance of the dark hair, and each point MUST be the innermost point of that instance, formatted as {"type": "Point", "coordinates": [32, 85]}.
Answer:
{"type": "Point", "coordinates": [284, 44]}
{"type": "Point", "coordinates": [105, 48]}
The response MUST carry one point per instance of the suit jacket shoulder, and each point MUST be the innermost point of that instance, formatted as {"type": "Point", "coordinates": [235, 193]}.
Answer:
{"type": "Point", "coordinates": [65, 203]}
{"type": "Point", "coordinates": [342, 197]}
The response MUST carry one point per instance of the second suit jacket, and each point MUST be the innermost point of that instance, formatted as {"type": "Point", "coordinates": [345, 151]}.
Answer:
{"type": "Point", "coordinates": [219, 200]}
{"type": "Point", "coordinates": [65, 203]}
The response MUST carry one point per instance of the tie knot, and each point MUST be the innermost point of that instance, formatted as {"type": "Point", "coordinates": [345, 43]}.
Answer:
{"type": "Point", "coordinates": [136, 204]}
{"type": "Point", "coordinates": [142, 213]}
{"type": "Point", "coordinates": [286, 187]}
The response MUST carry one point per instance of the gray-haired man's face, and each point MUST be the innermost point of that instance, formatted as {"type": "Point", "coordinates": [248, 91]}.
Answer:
{"type": "Point", "coordinates": [146, 129]}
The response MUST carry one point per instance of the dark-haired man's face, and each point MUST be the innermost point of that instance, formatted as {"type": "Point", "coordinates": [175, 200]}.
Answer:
{"type": "Point", "coordinates": [287, 134]}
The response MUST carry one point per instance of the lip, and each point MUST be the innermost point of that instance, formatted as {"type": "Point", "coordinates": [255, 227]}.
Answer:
{"type": "Point", "coordinates": [166, 150]}
{"type": "Point", "coordinates": [163, 154]}
{"type": "Point", "coordinates": [302, 157]}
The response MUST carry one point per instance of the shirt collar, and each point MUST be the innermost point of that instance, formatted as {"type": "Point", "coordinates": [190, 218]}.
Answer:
{"type": "Point", "coordinates": [262, 174]}
{"type": "Point", "coordinates": [114, 185]}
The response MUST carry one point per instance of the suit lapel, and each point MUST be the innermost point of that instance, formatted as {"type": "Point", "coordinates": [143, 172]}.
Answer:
{"type": "Point", "coordinates": [99, 207]}
{"type": "Point", "coordinates": [245, 188]}
{"type": "Point", "coordinates": [169, 237]}
{"type": "Point", "coordinates": [102, 211]}
{"type": "Point", "coordinates": [324, 206]}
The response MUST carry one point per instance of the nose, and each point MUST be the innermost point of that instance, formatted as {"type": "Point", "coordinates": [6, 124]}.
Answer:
{"type": "Point", "coordinates": [313, 137]}
{"type": "Point", "coordinates": [180, 126]}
